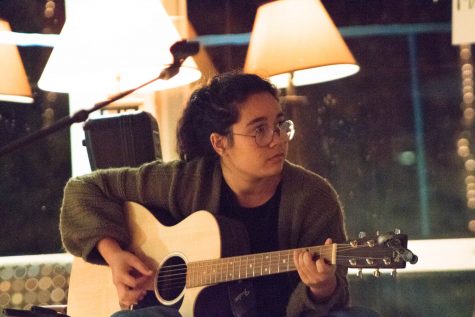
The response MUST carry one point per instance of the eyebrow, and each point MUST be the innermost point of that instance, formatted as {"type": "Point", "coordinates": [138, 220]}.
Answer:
{"type": "Point", "coordinates": [260, 119]}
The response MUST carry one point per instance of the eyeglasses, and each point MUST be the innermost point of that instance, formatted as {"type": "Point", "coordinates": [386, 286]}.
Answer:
{"type": "Point", "coordinates": [265, 134]}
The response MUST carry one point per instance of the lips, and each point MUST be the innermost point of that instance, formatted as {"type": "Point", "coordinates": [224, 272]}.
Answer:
{"type": "Point", "coordinates": [278, 156]}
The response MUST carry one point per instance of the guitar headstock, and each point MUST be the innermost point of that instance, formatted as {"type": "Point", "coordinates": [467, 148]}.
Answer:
{"type": "Point", "coordinates": [383, 251]}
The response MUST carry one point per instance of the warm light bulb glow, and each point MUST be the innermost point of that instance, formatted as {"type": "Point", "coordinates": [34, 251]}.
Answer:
{"type": "Point", "coordinates": [15, 98]}
{"type": "Point", "coordinates": [281, 80]}
{"type": "Point", "coordinates": [298, 37]}
{"type": "Point", "coordinates": [14, 85]}
{"type": "Point", "coordinates": [315, 75]}
{"type": "Point", "coordinates": [111, 46]}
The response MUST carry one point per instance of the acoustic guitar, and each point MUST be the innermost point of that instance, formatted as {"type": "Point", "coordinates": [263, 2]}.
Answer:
{"type": "Point", "coordinates": [186, 264]}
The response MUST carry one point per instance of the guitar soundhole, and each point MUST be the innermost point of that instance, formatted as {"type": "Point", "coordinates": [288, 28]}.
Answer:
{"type": "Point", "coordinates": [171, 279]}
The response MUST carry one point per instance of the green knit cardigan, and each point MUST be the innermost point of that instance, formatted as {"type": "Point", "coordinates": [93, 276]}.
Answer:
{"type": "Point", "coordinates": [309, 212]}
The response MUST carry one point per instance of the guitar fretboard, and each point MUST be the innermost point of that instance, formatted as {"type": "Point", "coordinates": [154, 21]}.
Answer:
{"type": "Point", "coordinates": [209, 272]}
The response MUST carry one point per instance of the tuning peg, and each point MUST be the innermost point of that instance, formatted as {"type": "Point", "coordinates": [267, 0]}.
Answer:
{"type": "Point", "coordinates": [362, 234]}
{"type": "Point", "coordinates": [394, 273]}
{"type": "Point", "coordinates": [376, 273]}
{"type": "Point", "coordinates": [359, 273]}
{"type": "Point", "coordinates": [377, 232]}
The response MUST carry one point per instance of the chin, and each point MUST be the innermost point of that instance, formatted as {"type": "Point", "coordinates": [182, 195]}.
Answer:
{"type": "Point", "coordinates": [273, 169]}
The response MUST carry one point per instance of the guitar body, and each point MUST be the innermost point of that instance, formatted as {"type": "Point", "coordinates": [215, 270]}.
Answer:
{"type": "Point", "coordinates": [91, 290]}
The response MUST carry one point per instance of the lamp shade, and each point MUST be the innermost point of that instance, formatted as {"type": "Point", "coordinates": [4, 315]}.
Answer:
{"type": "Point", "coordinates": [113, 45]}
{"type": "Point", "coordinates": [297, 38]}
{"type": "Point", "coordinates": [14, 85]}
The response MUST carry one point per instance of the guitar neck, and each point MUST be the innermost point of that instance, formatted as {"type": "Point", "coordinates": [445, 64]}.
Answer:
{"type": "Point", "coordinates": [210, 272]}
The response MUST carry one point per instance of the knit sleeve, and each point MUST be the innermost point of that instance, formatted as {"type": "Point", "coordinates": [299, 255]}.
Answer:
{"type": "Point", "coordinates": [301, 301]}
{"type": "Point", "coordinates": [92, 206]}
{"type": "Point", "coordinates": [317, 214]}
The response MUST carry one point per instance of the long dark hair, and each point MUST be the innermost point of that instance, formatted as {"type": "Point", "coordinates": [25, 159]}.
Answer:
{"type": "Point", "coordinates": [214, 108]}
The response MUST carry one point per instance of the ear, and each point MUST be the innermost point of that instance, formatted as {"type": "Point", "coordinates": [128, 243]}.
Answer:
{"type": "Point", "coordinates": [218, 142]}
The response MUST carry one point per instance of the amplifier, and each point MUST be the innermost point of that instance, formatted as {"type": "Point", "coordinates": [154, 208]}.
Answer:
{"type": "Point", "coordinates": [123, 139]}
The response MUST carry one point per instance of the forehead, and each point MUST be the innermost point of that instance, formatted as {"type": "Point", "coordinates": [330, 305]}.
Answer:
{"type": "Point", "coordinates": [259, 105]}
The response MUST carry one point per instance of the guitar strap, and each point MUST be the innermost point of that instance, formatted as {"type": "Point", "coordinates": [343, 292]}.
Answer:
{"type": "Point", "coordinates": [235, 242]}
{"type": "Point", "coordinates": [242, 298]}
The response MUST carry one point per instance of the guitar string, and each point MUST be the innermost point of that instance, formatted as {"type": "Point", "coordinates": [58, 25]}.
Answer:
{"type": "Point", "coordinates": [179, 280]}
{"type": "Point", "coordinates": [218, 274]}
{"type": "Point", "coordinates": [279, 254]}
{"type": "Point", "coordinates": [259, 265]}
{"type": "Point", "coordinates": [268, 259]}
{"type": "Point", "coordinates": [267, 267]}
{"type": "Point", "coordinates": [340, 248]}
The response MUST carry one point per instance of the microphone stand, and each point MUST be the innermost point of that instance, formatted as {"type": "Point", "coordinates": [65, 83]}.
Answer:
{"type": "Point", "coordinates": [180, 51]}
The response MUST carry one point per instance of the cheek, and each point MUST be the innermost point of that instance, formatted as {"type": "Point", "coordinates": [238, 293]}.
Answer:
{"type": "Point", "coordinates": [248, 158]}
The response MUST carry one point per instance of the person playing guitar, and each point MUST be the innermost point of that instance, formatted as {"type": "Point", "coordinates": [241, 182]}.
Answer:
{"type": "Point", "coordinates": [233, 140]}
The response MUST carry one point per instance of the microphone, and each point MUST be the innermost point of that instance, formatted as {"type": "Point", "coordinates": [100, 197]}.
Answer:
{"type": "Point", "coordinates": [180, 51]}
{"type": "Point", "coordinates": [183, 49]}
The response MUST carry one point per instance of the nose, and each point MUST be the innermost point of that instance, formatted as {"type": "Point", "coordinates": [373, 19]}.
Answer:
{"type": "Point", "coordinates": [281, 137]}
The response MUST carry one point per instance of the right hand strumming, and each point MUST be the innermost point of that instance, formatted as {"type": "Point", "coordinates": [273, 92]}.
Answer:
{"type": "Point", "coordinates": [129, 273]}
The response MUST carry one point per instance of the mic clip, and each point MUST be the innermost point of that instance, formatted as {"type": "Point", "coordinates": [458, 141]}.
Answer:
{"type": "Point", "coordinates": [180, 51]}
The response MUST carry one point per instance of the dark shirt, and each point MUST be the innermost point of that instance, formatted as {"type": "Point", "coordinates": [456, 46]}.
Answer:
{"type": "Point", "coordinates": [271, 292]}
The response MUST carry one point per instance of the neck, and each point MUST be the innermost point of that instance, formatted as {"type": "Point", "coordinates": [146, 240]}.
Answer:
{"type": "Point", "coordinates": [252, 265]}
{"type": "Point", "coordinates": [251, 192]}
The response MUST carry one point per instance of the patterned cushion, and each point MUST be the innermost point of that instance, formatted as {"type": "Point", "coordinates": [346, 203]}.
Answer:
{"type": "Point", "coordinates": [39, 280]}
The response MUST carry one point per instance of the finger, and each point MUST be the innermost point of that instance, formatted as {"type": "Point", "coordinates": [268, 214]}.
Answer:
{"type": "Point", "coordinates": [143, 282]}
{"type": "Point", "coordinates": [125, 299]}
{"type": "Point", "coordinates": [298, 264]}
{"type": "Point", "coordinates": [130, 296]}
{"type": "Point", "coordinates": [128, 280]}
{"type": "Point", "coordinates": [308, 262]}
{"type": "Point", "coordinates": [307, 266]}
{"type": "Point", "coordinates": [138, 265]}
{"type": "Point", "coordinates": [298, 258]}
{"type": "Point", "coordinates": [133, 273]}
{"type": "Point", "coordinates": [325, 268]}
{"type": "Point", "coordinates": [328, 241]}
{"type": "Point", "coordinates": [137, 283]}
{"type": "Point", "coordinates": [318, 270]}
